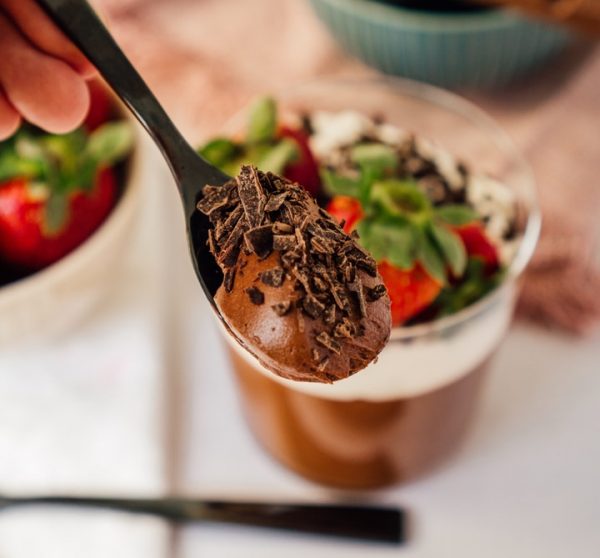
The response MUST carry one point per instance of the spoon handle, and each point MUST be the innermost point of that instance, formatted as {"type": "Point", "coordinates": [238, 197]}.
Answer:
{"type": "Point", "coordinates": [81, 24]}
{"type": "Point", "coordinates": [367, 523]}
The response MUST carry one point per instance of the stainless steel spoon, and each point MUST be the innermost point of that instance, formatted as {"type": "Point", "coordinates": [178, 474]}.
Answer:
{"type": "Point", "coordinates": [81, 24]}
{"type": "Point", "coordinates": [377, 524]}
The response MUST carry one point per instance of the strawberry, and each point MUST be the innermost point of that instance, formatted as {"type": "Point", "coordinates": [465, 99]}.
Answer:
{"type": "Point", "coordinates": [24, 240]}
{"type": "Point", "coordinates": [347, 210]}
{"type": "Point", "coordinates": [411, 291]}
{"type": "Point", "coordinates": [304, 171]}
{"type": "Point", "coordinates": [56, 190]}
{"type": "Point", "coordinates": [478, 245]}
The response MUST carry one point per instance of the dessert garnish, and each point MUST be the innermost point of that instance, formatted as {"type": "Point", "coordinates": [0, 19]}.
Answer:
{"type": "Point", "coordinates": [303, 296]}
{"type": "Point", "coordinates": [442, 235]}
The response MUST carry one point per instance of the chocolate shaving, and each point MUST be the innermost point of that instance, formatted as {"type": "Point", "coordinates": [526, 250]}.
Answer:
{"type": "Point", "coordinates": [282, 308]}
{"type": "Point", "coordinates": [251, 195]}
{"type": "Point", "coordinates": [329, 315]}
{"type": "Point", "coordinates": [345, 329]}
{"type": "Point", "coordinates": [256, 295]}
{"type": "Point", "coordinates": [284, 242]}
{"type": "Point", "coordinates": [260, 240]}
{"type": "Point", "coordinates": [275, 201]}
{"type": "Point", "coordinates": [375, 293]}
{"type": "Point", "coordinates": [229, 278]}
{"type": "Point", "coordinates": [214, 197]}
{"type": "Point", "coordinates": [324, 339]}
{"type": "Point", "coordinates": [312, 306]}
{"type": "Point", "coordinates": [273, 277]}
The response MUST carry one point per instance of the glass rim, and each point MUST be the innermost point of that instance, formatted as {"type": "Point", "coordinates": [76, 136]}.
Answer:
{"type": "Point", "coordinates": [466, 109]}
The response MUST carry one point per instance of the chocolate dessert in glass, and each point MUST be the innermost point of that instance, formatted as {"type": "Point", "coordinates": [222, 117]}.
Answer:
{"type": "Point", "coordinates": [433, 193]}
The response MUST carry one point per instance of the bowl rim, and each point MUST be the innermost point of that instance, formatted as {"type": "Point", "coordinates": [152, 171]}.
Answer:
{"type": "Point", "coordinates": [68, 264]}
{"type": "Point", "coordinates": [444, 22]}
{"type": "Point", "coordinates": [453, 102]}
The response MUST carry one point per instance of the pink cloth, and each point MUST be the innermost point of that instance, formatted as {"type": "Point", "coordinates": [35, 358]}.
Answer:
{"type": "Point", "coordinates": [207, 58]}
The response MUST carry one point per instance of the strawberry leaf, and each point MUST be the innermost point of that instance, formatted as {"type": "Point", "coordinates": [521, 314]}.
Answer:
{"type": "Point", "coordinates": [380, 158]}
{"type": "Point", "coordinates": [394, 242]}
{"type": "Point", "coordinates": [262, 124]}
{"type": "Point", "coordinates": [279, 156]}
{"type": "Point", "coordinates": [219, 151]}
{"type": "Point", "coordinates": [401, 198]}
{"type": "Point", "coordinates": [456, 215]}
{"type": "Point", "coordinates": [56, 213]}
{"type": "Point", "coordinates": [109, 143]}
{"type": "Point", "coordinates": [451, 247]}
{"type": "Point", "coordinates": [338, 185]}
{"type": "Point", "coordinates": [430, 258]}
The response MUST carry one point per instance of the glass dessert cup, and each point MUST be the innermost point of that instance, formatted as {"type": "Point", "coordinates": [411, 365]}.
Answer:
{"type": "Point", "coordinates": [406, 413]}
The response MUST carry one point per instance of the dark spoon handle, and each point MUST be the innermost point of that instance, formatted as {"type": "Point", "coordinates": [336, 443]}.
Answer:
{"type": "Point", "coordinates": [81, 24]}
{"type": "Point", "coordinates": [366, 523]}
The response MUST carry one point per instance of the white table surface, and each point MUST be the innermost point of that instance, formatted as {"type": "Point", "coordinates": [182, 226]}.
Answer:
{"type": "Point", "coordinates": [526, 484]}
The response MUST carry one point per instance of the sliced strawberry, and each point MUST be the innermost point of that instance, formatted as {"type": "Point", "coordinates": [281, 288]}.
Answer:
{"type": "Point", "coordinates": [100, 106]}
{"type": "Point", "coordinates": [23, 241]}
{"type": "Point", "coordinates": [305, 171]}
{"type": "Point", "coordinates": [411, 291]}
{"type": "Point", "coordinates": [346, 209]}
{"type": "Point", "coordinates": [478, 245]}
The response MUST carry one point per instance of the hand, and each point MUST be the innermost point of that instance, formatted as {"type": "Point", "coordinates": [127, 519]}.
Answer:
{"type": "Point", "coordinates": [42, 74]}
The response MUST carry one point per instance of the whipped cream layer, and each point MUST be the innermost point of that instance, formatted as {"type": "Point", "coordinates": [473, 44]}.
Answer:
{"type": "Point", "coordinates": [409, 368]}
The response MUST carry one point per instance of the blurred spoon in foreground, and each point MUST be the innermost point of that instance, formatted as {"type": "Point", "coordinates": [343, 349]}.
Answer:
{"type": "Point", "coordinates": [377, 524]}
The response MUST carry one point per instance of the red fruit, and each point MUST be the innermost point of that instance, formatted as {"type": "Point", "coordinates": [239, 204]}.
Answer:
{"type": "Point", "coordinates": [411, 291]}
{"type": "Point", "coordinates": [345, 208]}
{"type": "Point", "coordinates": [305, 170]}
{"type": "Point", "coordinates": [478, 245]}
{"type": "Point", "coordinates": [23, 241]}
{"type": "Point", "coordinates": [100, 106]}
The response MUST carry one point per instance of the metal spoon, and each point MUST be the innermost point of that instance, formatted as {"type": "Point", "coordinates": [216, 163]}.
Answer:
{"type": "Point", "coordinates": [378, 524]}
{"type": "Point", "coordinates": [81, 24]}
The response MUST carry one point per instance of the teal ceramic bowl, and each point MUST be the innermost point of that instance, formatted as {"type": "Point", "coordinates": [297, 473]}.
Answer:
{"type": "Point", "coordinates": [455, 49]}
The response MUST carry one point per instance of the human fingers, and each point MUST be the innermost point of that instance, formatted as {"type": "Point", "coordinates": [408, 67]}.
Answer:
{"type": "Point", "coordinates": [45, 90]}
{"type": "Point", "coordinates": [10, 119]}
{"type": "Point", "coordinates": [39, 29]}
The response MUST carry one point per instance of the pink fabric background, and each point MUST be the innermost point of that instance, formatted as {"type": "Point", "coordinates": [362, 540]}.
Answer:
{"type": "Point", "coordinates": [207, 58]}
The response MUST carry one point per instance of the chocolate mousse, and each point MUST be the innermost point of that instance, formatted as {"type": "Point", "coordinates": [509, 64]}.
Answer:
{"type": "Point", "coordinates": [298, 292]}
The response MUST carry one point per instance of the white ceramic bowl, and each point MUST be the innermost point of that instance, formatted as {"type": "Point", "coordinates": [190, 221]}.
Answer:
{"type": "Point", "coordinates": [56, 298]}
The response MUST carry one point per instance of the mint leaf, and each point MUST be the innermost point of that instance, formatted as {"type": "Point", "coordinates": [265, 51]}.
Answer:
{"type": "Point", "coordinates": [263, 121]}
{"type": "Point", "coordinates": [56, 213]}
{"type": "Point", "coordinates": [338, 185]}
{"type": "Point", "coordinates": [109, 143]}
{"type": "Point", "coordinates": [430, 258]}
{"type": "Point", "coordinates": [278, 157]}
{"type": "Point", "coordinates": [376, 156]}
{"type": "Point", "coordinates": [390, 241]}
{"type": "Point", "coordinates": [452, 248]}
{"type": "Point", "coordinates": [457, 215]}
{"type": "Point", "coordinates": [219, 151]}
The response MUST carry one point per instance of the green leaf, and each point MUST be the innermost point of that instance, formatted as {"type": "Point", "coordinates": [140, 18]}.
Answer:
{"type": "Point", "coordinates": [279, 156]}
{"type": "Point", "coordinates": [219, 151]}
{"type": "Point", "coordinates": [109, 143]}
{"type": "Point", "coordinates": [338, 185]}
{"type": "Point", "coordinates": [401, 198]}
{"type": "Point", "coordinates": [56, 213]}
{"type": "Point", "coordinates": [391, 241]}
{"type": "Point", "coordinates": [452, 248]}
{"type": "Point", "coordinates": [13, 166]}
{"type": "Point", "coordinates": [457, 215]}
{"type": "Point", "coordinates": [262, 124]}
{"type": "Point", "coordinates": [430, 258]}
{"type": "Point", "coordinates": [376, 156]}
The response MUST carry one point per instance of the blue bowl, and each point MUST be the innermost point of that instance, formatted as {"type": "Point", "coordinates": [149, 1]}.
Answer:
{"type": "Point", "coordinates": [483, 49]}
